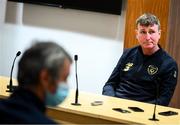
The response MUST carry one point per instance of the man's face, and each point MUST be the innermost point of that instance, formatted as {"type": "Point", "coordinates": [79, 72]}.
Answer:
{"type": "Point", "coordinates": [62, 77]}
{"type": "Point", "coordinates": [50, 85]}
{"type": "Point", "coordinates": [148, 36]}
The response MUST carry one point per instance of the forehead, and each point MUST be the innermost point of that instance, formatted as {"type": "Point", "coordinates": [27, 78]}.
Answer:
{"type": "Point", "coordinates": [150, 27]}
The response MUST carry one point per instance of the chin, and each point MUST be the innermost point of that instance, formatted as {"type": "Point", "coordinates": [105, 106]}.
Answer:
{"type": "Point", "coordinates": [148, 46]}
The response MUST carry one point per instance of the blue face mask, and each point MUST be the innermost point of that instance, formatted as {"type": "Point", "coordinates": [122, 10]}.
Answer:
{"type": "Point", "coordinates": [59, 96]}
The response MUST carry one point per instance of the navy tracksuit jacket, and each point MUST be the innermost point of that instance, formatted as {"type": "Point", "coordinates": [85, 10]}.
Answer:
{"type": "Point", "coordinates": [23, 107]}
{"type": "Point", "coordinates": [143, 78]}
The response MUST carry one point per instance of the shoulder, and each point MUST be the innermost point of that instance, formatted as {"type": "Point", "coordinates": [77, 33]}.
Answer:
{"type": "Point", "coordinates": [168, 60]}
{"type": "Point", "coordinates": [130, 51]}
{"type": "Point", "coordinates": [22, 113]}
{"type": "Point", "coordinates": [169, 66]}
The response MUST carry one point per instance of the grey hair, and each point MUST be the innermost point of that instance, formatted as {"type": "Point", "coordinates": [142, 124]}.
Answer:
{"type": "Point", "coordinates": [41, 55]}
{"type": "Point", "coordinates": [148, 19]}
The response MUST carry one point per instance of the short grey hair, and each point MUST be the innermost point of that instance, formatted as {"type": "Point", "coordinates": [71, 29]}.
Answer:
{"type": "Point", "coordinates": [148, 19]}
{"type": "Point", "coordinates": [41, 55]}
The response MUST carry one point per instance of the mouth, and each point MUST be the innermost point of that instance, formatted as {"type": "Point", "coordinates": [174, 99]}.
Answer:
{"type": "Point", "coordinates": [148, 43]}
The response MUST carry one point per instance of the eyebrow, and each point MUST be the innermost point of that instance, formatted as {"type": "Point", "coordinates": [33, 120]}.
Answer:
{"type": "Point", "coordinates": [149, 29]}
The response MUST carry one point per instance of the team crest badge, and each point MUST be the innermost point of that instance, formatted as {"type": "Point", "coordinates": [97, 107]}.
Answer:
{"type": "Point", "coordinates": [152, 69]}
{"type": "Point", "coordinates": [128, 66]}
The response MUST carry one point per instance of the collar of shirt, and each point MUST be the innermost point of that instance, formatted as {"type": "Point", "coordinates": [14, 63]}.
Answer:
{"type": "Point", "coordinates": [157, 53]}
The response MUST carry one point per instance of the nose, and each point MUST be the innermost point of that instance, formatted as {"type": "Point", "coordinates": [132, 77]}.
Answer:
{"type": "Point", "coordinates": [148, 36]}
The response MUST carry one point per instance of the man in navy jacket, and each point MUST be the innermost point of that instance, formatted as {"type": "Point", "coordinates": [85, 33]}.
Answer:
{"type": "Point", "coordinates": [146, 72]}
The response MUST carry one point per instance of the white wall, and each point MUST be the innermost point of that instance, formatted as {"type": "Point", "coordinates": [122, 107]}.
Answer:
{"type": "Point", "coordinates": [98, 24]}
{"type": "Point", "coordinates": [92, 23]}
{"type": "Point", "coordinates": [96, 37]}
{"type": "Point", "coordinates": [14, 12]}
{"type": "Point", "coordinates": [2, 11]}
{"type": "Point", "coordinates": [97, 56]}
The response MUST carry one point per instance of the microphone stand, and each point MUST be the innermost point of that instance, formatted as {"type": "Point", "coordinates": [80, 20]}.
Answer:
{"type": "Point", "coordinates": [10, 87]}
{"type": "Point", "coordinates": [157, 95]}
{"type": "Point", "coordinates": [77, 87]}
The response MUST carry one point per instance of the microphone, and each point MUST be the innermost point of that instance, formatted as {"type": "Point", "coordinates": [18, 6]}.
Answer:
{"type": "Point", "coordinates": [157, 95]}
{"type": "Point", "coordinates": [10, 87]}
{"type": "Point", "coordinates": [77, 88]}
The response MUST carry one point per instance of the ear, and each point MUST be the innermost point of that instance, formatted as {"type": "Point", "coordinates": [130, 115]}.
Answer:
{"type": "Point", "coordinates": [44, 78]}
{"type": "Point", "coordinates": [64, 73]}
{"type": "Point", "coordinates": [136, 33]}
{"type": "Point", "coordinates": [159, 32]}
{"type": "Point", "coordinates": [47, 82]}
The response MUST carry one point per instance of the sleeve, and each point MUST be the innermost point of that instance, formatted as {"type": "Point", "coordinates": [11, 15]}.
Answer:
{"type": "Point", "coordinates": [168, 84]}
{"type": "Point", "coordinates": [114, 79]}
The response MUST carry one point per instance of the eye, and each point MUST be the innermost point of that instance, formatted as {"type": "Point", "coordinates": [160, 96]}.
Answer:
{"type": "Point", "coordinates": [151, 32]}
{"type": "Point", "coordinates": [143, 32]}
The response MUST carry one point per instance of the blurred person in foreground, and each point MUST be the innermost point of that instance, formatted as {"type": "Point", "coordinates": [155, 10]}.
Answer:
{"type": "Point", "coordinates": [42, 81]}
